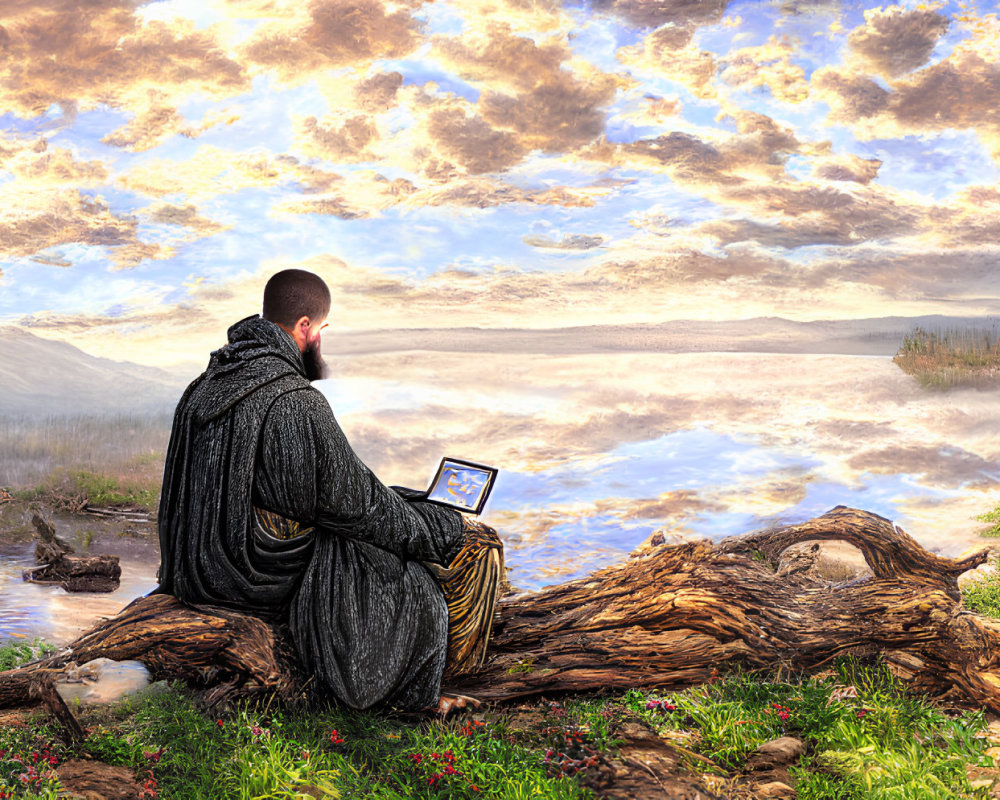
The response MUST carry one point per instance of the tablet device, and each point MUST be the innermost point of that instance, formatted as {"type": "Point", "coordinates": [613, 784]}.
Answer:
{"type": "Point", "coordinates": [460, 484]}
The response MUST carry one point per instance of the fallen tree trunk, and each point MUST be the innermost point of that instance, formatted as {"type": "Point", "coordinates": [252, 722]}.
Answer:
{"type": "Point", "coordinates": [72, 573]}
{"type": "Point", "coordinates": [669, 616]}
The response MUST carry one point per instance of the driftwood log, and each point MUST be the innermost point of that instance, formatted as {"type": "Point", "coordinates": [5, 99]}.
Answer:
{"type": "Point", "coordinates": [667, 617]}
{"type": "Point", "coordinates": [57, 566]}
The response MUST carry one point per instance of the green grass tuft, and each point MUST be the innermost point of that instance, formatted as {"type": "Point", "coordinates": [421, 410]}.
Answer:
{"type": "Point", "coordinates": [880, 744]}
{"type": "Point", "coordinates": [72, 490]}
{"type": "Point", "coordinates": [992, 518]}
{"type": "Point", "coordinates": [14, 654]}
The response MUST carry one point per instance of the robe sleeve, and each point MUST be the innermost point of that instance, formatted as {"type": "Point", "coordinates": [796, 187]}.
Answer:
{"type": "Point", "coordinates": [307, 470]}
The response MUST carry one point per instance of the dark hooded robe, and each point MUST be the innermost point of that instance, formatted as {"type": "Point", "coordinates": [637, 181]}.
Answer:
{"type": "Point", "coordinates": [252, 433]}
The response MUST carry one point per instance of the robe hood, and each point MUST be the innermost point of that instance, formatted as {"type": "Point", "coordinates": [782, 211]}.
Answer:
{"type": "Point", "coordinates": [259, 352]}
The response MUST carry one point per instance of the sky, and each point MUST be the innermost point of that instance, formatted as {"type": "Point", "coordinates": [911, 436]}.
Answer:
{"type": "Point", "coordinates": [492, 163]}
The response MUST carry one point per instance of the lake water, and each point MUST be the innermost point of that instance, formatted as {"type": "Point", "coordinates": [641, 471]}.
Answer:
{"type": "Point", "coordinates": [598, 451]}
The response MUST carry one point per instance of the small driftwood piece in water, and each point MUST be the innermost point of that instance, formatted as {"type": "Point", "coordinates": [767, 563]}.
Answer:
{"type": "Point", "coordinates": [73, 573]}
{"type": "Point", "coordinates": [137, 515]}
{"type": "Point", "coordinates": [667, 617]}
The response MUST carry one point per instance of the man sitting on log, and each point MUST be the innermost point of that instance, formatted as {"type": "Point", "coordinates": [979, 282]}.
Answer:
{"type": "Point", "coordinates": [266, 509]}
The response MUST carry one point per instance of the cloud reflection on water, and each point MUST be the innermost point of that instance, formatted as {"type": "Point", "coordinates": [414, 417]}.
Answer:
{"type": "Point", "coordinates": [597, 451]}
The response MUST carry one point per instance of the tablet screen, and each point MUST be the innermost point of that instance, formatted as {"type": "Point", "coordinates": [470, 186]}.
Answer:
{"type": "Point", "coordinates": [462, 484]}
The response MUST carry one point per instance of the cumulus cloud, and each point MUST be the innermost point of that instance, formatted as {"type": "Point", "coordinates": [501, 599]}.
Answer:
{"type": "Point", "coordinates": [344, 140]}
{"type": "Point", "coordinates": [667, 54]}
{"type": "Point", "coordinates": [185, 216]}
{"type": "Point", "coordinates": [212, 171]}
{"type": "Point", "coordinates": [35, 162]}
{"type": "Point", "coordinates": [577, 241]}
{"type": "Point", "coordinates": [532, 96]}
{"type": "Point", "coordinates": [895, 40]}
{"type": "Point", "coordinates": [810, 214]}
{"type": "Point", "coordinates": [331, 34]}
{"type": "Point", "coordinates": [760, 149]}
{"type": "Point", "coordinates": [672, 13]}
{"type": "Point", "coordinates": [851, 97]}
{"type": "Point", "coordinates": [157, 122]}
{"type": "Point", "coordinates": [487, 192]}
{"type": "Point", "coordinates": [847, 168]}
{"type": "Point", "coordinates": [959, 92]}
{"type": "Point", "coordinates": [147, 129]}
{"type": "Point", "coordinates": [499, 57]}
{"type": "Point", "coordinates": [769, 65]}
{"type": "Point", "coordinates": [378, 92]}
{"type": "Point", "coordinates": [54, 54]}
{"type": "Point", "coordinates": [472, 142]}
{"type": "Point", "coordinates": [32, 220]}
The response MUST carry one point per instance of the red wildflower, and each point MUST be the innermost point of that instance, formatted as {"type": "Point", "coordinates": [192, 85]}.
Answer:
{"type": "Point", "coordinates": [335, 737]}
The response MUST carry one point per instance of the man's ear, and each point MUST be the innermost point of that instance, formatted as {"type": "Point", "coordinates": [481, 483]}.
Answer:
{"type": "Point", "coordinates": [300, 332]}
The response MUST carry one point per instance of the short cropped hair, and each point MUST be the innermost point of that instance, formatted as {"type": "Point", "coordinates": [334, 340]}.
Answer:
{"type": "Point", "coordinates": [294, 293]}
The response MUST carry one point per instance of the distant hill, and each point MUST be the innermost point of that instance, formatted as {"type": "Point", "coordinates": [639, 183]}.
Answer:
{"type": "Point", "coordinates": [43, 377]}
{"type": "Point", "coordinates": [40, 376]}
{"type": "Point", "coordinates": [875, 336]}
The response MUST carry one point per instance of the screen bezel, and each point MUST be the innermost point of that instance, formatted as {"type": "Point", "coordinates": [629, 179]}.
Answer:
{"type": "Point", "coordinates": [490, 480]}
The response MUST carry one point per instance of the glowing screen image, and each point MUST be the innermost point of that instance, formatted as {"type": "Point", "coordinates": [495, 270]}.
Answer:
{"type": "Point", "coordinates": [462, 485]}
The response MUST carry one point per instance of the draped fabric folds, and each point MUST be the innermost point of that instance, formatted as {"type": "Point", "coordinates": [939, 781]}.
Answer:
{"type": "Point", "coordinates": [251, 433]}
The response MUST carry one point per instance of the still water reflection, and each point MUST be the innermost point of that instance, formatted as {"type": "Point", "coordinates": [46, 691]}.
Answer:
{"type": "Point", "coordinates": [597, 452]}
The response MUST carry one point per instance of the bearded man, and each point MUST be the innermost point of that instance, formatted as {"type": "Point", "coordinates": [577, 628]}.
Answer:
{"type": "Point", "coordinates": [266, 509]}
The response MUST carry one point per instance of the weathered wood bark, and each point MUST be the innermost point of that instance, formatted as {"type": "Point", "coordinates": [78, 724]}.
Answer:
{"type": "Point", "coordinates": [668, 616]}
{"type": "Point", "coordinates": [73, 573]}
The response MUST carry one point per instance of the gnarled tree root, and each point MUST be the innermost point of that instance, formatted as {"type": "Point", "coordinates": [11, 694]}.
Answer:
{"type": "Point", "coordinates": [668, 616]}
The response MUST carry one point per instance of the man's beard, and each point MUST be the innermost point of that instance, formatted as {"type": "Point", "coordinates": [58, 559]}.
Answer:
{"type": "Point", "coordinates": [316, 369]}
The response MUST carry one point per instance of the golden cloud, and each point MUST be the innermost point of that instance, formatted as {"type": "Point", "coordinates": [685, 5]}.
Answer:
{"type": "Point", "coordinates": [34, 162]}
{"type": "Point", "coordinates": [847, 168]}
{"type": "Point", "coordinates": [332, 34]}
{"type": "Point", "coordinates": [662, 54]}
{"type": "Point", "coordinates": [501, 59]}
{"type": "Point", "coordinates": [895, 40]}
{"type": "Point", "coordinates": [534, 96]}
{"type": "Point", "coordinates": [960, 92]}
{"type": "Point", "coordinates": [473, 142]}
{"type": "Point", "coordinates": [577, 241]}
{"type": "Point", "coordinates": [671, 13]}
{"type": "Point", "coordinates": [33, 219]}
{"type": "Point", "coordinates": [759, 149]}
{"type": "Point", "coordinates": [212, 171]}
{"type": "Point", "coordinates": [344, 140]}
{"type": "Point", "coordinates": [185, 216]}
{"type": "Point", "coordinates": [378, 92]}
{"type": "Point", "coordinates": [768, 65]}
{"type": "Point", "coordinates": [54, 54]}
{"type": "Point", "coordinates": [158, 121]}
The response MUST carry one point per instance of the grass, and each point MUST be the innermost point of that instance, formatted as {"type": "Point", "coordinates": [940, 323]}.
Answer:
{"type": "Point", "coordinates": [993, 520]}
{"type": "Point", "coordinates": [13, 654]}
{"type": "Point", "coordinates": [983, 594]}
{"type": "Point", "coordinates": [871, 742]}
{"type": "Point", "coordinates": [115, 455]}
{"type": "Point", "coordinates": [865, 739]}
{"type": "Point", "coordinates": [72, 490]}
{"type": "Point", "coordinates": [950, 358]}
